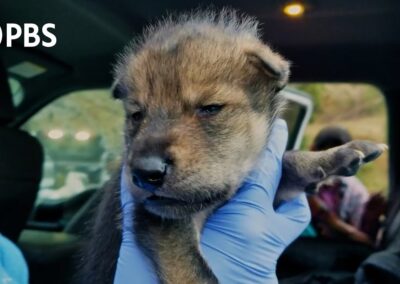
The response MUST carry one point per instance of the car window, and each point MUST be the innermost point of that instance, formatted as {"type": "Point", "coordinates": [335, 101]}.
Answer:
{"type": "Point", "coordinates": [81, 136]}
{"type": "Point", "coordinates": [17, 91]}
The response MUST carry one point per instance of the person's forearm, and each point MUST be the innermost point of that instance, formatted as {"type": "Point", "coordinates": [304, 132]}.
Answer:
{"type": "Point", "coordinates": [350, 231]}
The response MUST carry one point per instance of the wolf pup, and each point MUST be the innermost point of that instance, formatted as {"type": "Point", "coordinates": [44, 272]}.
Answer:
{"type": "Point", "coordinates": [200, 94]}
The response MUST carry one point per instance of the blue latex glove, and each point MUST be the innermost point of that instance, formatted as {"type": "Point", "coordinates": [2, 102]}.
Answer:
{"type": "Point", "coordinates": [243, 239]}
{"type": "Point", "coordinates": [13, 268]}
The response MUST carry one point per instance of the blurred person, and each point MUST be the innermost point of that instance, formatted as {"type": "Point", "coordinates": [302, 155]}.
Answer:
{"type": "Point", "coordinates": [343, 208]}
{"type": "Point", "coordinates": [13, 268]}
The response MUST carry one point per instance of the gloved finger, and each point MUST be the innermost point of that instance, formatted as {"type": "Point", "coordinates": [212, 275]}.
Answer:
{"type": "Point", "coordinates": [295, 215]}
{"type": "Point", "coordinates": [126, 196]}
{"type": "Point", "coordinates": [296, 209]}
{"type": "Point", "coordinates": [127, 202]}
{"type": "Point", "coordinates": [133, 263]}
{"type": "Point", "coordinates": [266, 174]}
{"type": "Point", "coordinates": [256, 195]}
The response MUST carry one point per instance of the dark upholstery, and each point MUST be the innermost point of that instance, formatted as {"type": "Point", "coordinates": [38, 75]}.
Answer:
{"type": "Point", "coordinates": [308, 255]}
{"type": "Point", "coordinates": [21, 158]}
{"type": "Point", "coordinates": [7, 111]}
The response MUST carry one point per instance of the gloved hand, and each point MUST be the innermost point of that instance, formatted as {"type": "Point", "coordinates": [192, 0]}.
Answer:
{"type": "Point", "coordinates": [243, 239]}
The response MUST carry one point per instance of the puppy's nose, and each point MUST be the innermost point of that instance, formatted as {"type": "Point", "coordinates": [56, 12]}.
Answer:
{"type": "Point", "coordinates": [149, 172]}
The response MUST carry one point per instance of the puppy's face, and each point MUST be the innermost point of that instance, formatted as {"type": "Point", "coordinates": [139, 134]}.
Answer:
{"type": "Point", "coordinates": [197, 115]}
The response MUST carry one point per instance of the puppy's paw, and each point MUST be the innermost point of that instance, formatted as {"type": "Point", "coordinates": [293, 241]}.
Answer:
{"type": "Point", "coordinates": [370, 150]}
{"type": "Point", "coordinates": [347, 162]}
{"type": "Point", "coordinates": [351, 156]}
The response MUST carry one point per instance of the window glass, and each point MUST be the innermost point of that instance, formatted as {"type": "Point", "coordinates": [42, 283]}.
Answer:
{"type": "Point", "coordinates": [81, 136]}
{"type": "Point", "coordinates": [17, 91]}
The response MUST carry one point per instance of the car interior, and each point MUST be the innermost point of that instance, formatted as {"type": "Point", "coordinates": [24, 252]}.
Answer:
{"type": "Point", "coordinates": [334, 41]}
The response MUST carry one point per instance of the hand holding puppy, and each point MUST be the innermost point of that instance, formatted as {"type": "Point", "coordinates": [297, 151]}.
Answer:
{"type": "Point", "coordinates": [243, 239]}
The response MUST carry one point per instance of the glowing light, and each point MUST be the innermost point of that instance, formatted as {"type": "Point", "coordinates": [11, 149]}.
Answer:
{"type": "Point", "coordinates": [55, 134]}
{"type": "Point", "coordinates": [294, 9]}
{"type": "Point", "coordinates": [82, 135]}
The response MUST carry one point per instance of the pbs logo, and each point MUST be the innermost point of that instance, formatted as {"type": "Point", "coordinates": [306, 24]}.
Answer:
{"type": "Point", "coordinates": [32, 35]}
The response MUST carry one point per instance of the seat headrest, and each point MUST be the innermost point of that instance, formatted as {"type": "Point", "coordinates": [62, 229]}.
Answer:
{"type": "Point", "coordinates": [7, 110]}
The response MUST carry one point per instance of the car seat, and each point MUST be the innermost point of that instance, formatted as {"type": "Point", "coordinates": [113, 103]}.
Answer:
{"type": "Point", "coordinates": [21, 158]}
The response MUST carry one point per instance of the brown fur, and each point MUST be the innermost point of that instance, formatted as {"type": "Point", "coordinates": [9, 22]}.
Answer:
{"type": "Point", "coordinates": [164, 79]}
{"type": "Point", "coordinates": [194, 61]}
{"type": "Point", "coordinates": [176, 68]}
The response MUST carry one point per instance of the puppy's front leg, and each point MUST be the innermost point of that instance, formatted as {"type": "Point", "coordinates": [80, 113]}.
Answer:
{"type": "Point", "coordinates": [302, 170]}
{"type": "Point", "coordinates": [173, 246]}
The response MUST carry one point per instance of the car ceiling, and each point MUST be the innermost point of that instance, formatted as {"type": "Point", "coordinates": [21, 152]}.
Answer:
{"type": "Point", "coordinates": [334, 40]}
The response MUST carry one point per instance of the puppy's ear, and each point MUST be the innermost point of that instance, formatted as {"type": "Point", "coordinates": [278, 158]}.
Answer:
{"type": "Point", "coordinates": [271, 64]}
{"type": "Point", "coordinates": [118, 91]}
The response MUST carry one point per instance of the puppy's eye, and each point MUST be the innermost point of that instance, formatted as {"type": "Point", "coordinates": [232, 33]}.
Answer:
{"type": "Point", "coordinates": [118, 91]}
{"type": "Point", "coordinates": [209, 110]}
{"type": "Point", "coordinates": [137, 116]}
